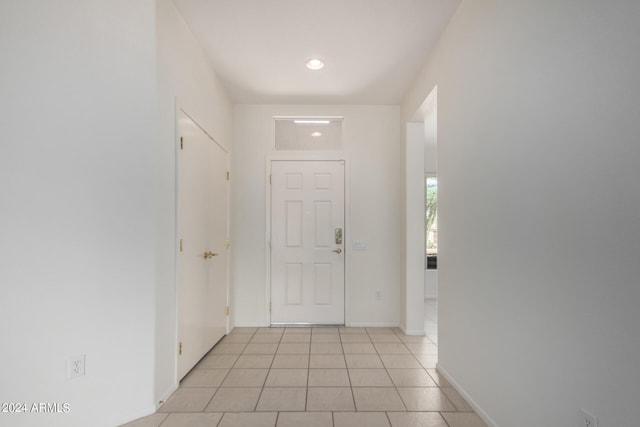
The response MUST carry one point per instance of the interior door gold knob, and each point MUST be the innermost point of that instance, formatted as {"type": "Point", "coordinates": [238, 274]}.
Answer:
{"type": "Point", "coordinates": [209, 254]}
{"type": "Point", "coordinates": [338, 251]}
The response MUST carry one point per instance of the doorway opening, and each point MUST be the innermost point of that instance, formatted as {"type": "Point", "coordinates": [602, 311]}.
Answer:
{"type": "Point", "coordinates": [421, 219]}
{"type": "Point", "coordinates": [429, 112]}
{"type": "Point", "coordinates": [431, 256]}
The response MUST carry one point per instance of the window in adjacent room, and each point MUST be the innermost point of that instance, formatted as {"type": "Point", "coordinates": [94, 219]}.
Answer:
{"type": "Point", "coordinates": [431, 222]}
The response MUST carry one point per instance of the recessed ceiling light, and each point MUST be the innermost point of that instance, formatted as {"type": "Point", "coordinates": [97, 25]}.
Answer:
{"type": "Point", "coordinates": [316, 134]}
{"type": "Point", "coordinates": [315, 64]}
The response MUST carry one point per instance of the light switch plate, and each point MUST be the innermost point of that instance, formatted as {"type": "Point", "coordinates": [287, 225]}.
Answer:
{"type": "Point", "coordinates": [359, 245]}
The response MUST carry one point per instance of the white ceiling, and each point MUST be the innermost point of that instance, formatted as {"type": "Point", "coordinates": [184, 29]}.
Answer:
{"type": "Point", "coordinates": [373, 49]}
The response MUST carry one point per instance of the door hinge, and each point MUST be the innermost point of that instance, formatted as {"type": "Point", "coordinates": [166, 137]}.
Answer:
{"type": "Point", "coordinates": [181, 143]}
{"type": "Point", "coordinates": [269, 179]}
{"type": "Point", "coordinates": [180, 348]}
{"type": "Point", "coordinates": [227, 311]}
{"type": "Point", "coordinates": [269, 307]}
{"type": "Point", "coordinates": [227, 244]}
{"type": "Point", "coordinates": [227, 175]}
{"type": "Point", "coordinates": [180, 245]}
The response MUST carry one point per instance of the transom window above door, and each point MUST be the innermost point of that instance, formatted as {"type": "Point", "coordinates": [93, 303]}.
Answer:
{"type": "Point", "coordinates": [308, 133]}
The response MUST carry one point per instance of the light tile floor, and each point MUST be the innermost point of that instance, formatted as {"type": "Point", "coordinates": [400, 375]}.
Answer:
{"type": "Point", "coordinates": [317, 377]}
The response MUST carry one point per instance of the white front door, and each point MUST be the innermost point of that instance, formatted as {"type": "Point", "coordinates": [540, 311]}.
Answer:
{"type": "Point", "coordinates": [307, 249]}
{"type": "Point", "coordinates": [202, 231]}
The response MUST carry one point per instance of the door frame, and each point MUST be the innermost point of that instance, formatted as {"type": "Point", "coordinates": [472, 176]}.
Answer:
{"type": "Point", "coordinates": [304, 156]}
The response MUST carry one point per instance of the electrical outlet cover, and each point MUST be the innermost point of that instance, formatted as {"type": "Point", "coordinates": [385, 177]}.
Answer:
{"type": "Point", "coordinates": [588, 420]}
{"type": "Point", "coordinates": [76, 366]}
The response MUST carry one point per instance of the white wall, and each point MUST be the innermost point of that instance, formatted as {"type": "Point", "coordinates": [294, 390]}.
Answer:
{"type": "Point", "coordinates": [187, 80]}
{"type": "Point", "coordinates": [413, 321]}
{"type": "Point", "coordinates": [371, 136]}
{"type": "Point", "coordinates": [430, 160]}
{"type": "Point", "coordinates": [88, 198]}
{"type": "Point", "coordinates": [539, 208]}
{"type": "Point", "coordinates": [77, 119]}
{"type": "Point", "coordinates": [430, 132]}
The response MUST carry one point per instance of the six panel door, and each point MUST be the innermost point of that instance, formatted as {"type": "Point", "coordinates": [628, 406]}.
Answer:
{"type": "Point", "coordinates": [307, 250]}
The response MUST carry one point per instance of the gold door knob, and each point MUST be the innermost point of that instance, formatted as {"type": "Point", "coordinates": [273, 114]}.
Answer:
{"type": "Point", "coordinates": [338, 251]}
{"type": "Point", "coordinates": [209, 254]}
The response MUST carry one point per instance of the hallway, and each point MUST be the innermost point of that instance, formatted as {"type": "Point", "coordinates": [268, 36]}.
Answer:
{"type": "Point", "coordinates": [317, 377]}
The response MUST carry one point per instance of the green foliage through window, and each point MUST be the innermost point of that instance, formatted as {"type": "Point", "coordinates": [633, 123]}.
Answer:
{"type": "Point", "coordinates": [431, 216]}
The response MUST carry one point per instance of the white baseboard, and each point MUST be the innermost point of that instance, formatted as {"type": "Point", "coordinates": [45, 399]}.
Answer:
{"type": "Point", "coordinates": [481, 413]}
{"type": "Point", "coordinates": [415, 332]}
{"type": "Point", "coordinates": [166, 395]}
{"type": "Point", "coordinates": [352, 324]}
{"type": "Point", "coordinates": [372, 325]}
{"type": "Point", "coordinates": [249, 325]}
{"type": "Point", "coordinates": [137, 415]}
{"type": "Point", "coordinates": [151, 409]}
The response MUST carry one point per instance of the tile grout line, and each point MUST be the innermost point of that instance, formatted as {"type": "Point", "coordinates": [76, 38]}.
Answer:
{"type": "Point", "coordinates": [264, 382]}
{"type": "Point", "coordinates": [404, 405]}
{"type": "Point", "coordinates": [306, 394]}
{"type": "Point", "coordinates": [344, 358]}
{"type": "Point", "coordinates": [226, 375]}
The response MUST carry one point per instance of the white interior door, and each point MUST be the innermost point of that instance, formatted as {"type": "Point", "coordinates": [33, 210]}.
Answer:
{"type": "Point", "coordinates": [307, 250]}
{"type": "Point", "coordinates": [202, 231]}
